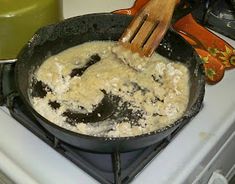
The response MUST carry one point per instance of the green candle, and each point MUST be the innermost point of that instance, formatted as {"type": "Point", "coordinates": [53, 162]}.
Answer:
{"type": "Point", "coordinates": [19, 19]}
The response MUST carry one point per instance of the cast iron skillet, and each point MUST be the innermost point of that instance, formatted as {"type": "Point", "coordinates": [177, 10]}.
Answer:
{"type": "Point", "coordinates": [53, 39]}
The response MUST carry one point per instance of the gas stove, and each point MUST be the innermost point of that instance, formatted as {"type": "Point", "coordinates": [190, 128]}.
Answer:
{"type": "Point", "coordinates": [196, 153]}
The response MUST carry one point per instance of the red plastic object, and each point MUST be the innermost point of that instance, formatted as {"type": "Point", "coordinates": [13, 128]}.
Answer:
{"type": "Point", "coordinates": [206, 40]}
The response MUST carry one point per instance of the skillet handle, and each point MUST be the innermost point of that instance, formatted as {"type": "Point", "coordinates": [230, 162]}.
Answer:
{"type": "Point", "coordinates": [7, 80]}
{"type": "Point", "coordinates": [6, 61]}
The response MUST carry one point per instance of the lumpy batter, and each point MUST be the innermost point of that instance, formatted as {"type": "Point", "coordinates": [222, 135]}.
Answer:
{"type": "Point", "coordinates": [146, 93]}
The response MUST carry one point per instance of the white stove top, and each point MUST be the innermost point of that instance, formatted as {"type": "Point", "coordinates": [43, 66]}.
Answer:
{"type": "Point", "coordinates": [26, 159]}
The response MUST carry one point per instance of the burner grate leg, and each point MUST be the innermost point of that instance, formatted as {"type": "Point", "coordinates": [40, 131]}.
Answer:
{"type": "Point", "coordinates": [116, 161]}
{"type": "Point", "coordinates": [55, 142]}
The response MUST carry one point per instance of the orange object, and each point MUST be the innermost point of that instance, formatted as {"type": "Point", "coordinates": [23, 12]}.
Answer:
{"type": "Point", "coordinates": [194, 42]}
{"type": "Point", "coordinates": [214, 69]}
{"type": "Point", "coordinates": [206, 40]}
{"type": "Point", "coordinates": [134, 9]}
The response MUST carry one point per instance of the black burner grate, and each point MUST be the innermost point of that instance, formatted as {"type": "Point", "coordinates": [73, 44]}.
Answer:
{"type": "Point", "coordinates": [106, 168]}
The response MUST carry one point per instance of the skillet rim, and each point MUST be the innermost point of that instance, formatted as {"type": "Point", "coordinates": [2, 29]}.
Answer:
{"type": "Point", "coordinates": [189, 114]}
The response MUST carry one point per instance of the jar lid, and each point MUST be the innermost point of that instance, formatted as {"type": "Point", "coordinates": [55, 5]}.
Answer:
{"type": "Point", "coordinates": [19, 20]}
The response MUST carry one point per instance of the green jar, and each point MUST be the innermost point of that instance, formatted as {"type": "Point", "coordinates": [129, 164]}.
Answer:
{"type": "Point", "coordinates": [19, 19]}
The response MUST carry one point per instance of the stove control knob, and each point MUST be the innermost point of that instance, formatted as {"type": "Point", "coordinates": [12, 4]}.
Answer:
{"type": "Point", "coordinates": [217, 178]}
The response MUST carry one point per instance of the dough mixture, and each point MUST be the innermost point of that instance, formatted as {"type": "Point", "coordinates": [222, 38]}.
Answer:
{"type": "Point", "coordinates": [98, 88]}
